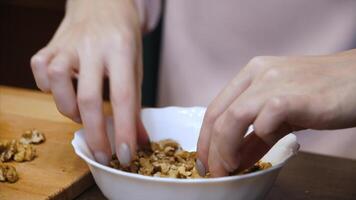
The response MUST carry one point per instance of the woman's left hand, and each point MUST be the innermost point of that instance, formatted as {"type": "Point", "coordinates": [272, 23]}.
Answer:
{"type": "Point", "coordinates": [277, 95]}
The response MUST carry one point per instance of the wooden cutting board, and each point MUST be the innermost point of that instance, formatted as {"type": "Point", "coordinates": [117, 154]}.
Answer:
{"type": "Point", "coordinates": [57, 173]}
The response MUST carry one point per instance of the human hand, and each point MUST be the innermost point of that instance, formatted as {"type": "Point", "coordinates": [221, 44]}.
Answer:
{"type": "Point", "coordinates": [277, 95]}
{"type": "Point", "coordinates": [97, 39]}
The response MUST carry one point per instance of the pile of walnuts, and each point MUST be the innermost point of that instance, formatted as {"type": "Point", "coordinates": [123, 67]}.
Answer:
{"type": "Point", "coordinates": [167, 159]}
{"type": "Point", "coordinates": [19, 151]}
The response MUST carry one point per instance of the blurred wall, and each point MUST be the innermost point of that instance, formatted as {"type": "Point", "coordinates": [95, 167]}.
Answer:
{"type": "Point", "coordinates": [27, 25]}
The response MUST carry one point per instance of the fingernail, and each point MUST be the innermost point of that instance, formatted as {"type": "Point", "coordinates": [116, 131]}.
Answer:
{"type": "Point", "coordinates": [200, 167]}
{"type": "Point", "coordinates": [101, 157]}
{"type": "Point", "coordinates": [124, 154]}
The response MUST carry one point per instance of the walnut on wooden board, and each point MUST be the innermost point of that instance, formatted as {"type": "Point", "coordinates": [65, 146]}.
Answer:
{"type": "Point", "coordinates": [32, 137]}
{"type": "Point", "coordinates": [8, 173]}
{"type": "Point", "coordinates": [3, 145]}
{"type": "Point", "coordinates": [15, 151]}
{"type": "Point", "coordinates": [166, 158]}
{"type": "Point", "coordinates": [25, 152]}
{"type": "Point", "coordinates": [8, 150]}
{"type": "Point", "coordinates": [20, 151]}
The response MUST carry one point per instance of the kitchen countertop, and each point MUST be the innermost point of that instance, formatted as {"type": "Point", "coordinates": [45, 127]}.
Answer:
{"type": "Point", "coordinates": [306, 176]}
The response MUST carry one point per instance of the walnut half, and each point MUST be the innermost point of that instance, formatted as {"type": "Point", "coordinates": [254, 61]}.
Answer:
{"type": "Point", "coordinates": [20, 151]}
{"type": "Point", "coordinates": [8, 173]}
{"type": "Point", "coordinates": [13, 150]}
{"type": "Point", "coordinates": [8, 150]}
{"type": "Point", "coordinates": [32, 137]}
{"type": "Point", "coordinates": [25, 152]}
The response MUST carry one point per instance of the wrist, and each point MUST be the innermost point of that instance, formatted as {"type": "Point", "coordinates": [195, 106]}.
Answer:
{"type": "Point", "coordinates": [82, 10]}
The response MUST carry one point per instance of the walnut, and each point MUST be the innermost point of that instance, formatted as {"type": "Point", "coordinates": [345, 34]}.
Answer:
{"type": "Point", "coordinates": [3, 146]}
{"type": "Point", "coordinates": [167, 159]}
{"type": "Point", "coordinates": [264, 165]}
{"type": "Point", "coordinates": [9, 149]}
{"type": "Point", "coordinates": [8, 173]}
{"type": "Point", "coordinates": [195, 173]}
{"type": "Point", "coordinates": [19, 151]}
{"type": "Point", "coordinates": [25, 152]}
{"type": "Point", "coordinates": [32, 137]}
{"type": "Point", "coordinates": [257, 167]}
{"type": "Point", "coordinates": [183, 173]}
{"type": "Point", "coordinates": [146, 166]}
{"type": "Point", "coordinates": [13, 150]}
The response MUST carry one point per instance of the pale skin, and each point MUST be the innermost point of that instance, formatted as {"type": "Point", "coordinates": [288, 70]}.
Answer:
{"type": "Point", "coordinates": [276, 95]}
{"type": "Point", "coordinates": [97, 39]}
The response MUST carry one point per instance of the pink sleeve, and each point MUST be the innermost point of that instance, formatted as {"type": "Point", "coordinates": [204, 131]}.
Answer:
{"type": "Point", "coordinates": [149, 11]}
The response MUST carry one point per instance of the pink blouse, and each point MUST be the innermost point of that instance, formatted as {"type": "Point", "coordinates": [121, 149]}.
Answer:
{"type": "Point", "coordinates": [207, 42]}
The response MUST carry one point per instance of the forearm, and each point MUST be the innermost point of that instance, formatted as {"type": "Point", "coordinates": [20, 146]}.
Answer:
{"type": "Point", "coordinates": [149, 11]}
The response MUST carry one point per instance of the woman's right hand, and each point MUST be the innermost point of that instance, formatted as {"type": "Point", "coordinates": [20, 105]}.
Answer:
{"type": "Point", "coordinates": [97, 39]}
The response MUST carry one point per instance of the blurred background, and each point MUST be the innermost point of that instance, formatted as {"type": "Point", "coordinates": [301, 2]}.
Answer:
{"type": "Point", "coordinates": [27, 25]}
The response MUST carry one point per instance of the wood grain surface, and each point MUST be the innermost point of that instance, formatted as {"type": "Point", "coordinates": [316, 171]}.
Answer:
{"type": "Point", "coordinates": [57, 173]}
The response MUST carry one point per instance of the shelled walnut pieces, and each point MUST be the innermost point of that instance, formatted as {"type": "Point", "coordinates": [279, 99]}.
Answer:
{"type": "Point", "coordinates": [20, 151]}
{"type": "Point", "coordinates": [15, 151]}
{"type": "Point", "coordinates": [8, 173]}
{"type": "Point", "coordinates": [32, 137]}
{"type": "Point", "coordinates": [167, 159]}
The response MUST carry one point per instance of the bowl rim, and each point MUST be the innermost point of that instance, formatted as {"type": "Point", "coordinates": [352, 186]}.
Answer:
{"type": "Point", "coordinates": [118, 172]}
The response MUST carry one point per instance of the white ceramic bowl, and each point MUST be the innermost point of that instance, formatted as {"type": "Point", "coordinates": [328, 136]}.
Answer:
{"type": "Point", "coordinates": [182, 125]}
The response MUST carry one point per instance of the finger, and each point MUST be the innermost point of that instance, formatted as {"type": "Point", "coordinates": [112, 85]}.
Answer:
{"type": "Point", "coordinates": [270, 125]}
{"type": "Point", "coordinates": [231, 92]}
{"type": "Point", "coordinates": [39, 64]}
{"type": "Point", "coordinates": [280, 113]}
{"type": "Point", "coordinates": [124, 100]}
{"type": "Point", "coordinates": [216, 108]}
{"type": "Point", "coordinates": [227, 134]}
{"type": "Point", "coordinates": [90, 105]}
{"type": "Point", "coordinates": [60, 74]}
{"type": "Point", "coordinates": [142, 135]}
{"type": "Point", "coordinates": [252, 149]}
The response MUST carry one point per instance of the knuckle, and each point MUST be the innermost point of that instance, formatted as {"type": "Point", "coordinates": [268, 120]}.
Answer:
{"type": "Point", "coordinates": [55, 71]}
{"type": "Point", "coordinates": [266, 60]}
{"type": "Point", "coordinates": [272, 74]}
{"type": "Point", "coordinates": [217, 129]}
{"type": "Point", "coordinates": [260, 63]}
{"type": "Point", "coordinates": [259, 60]}
{"type": "Point", "coordinates": [211, 115]}
{"type": "Point", "coordinates": [238, 114]}
{"type": "Point", "coordinates": [122, 97]}
{"type": "Point", "coordinates": [277, 104]}
{"type": "Point", "coordinates": [36, 61]}
{"type": "Point", "coordinates": [123, 38]}
{"type": "Point", "coordinates": [122, 44]}
{"type": "Point", "coordinates": [87, 100]}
